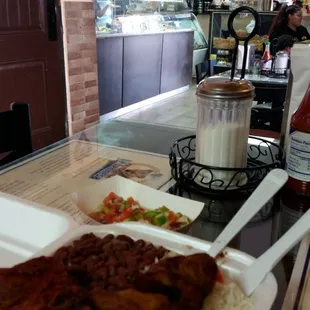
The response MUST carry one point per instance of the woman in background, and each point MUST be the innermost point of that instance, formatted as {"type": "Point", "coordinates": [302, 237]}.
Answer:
{"type": "Point", "coordinates": [288, 23]}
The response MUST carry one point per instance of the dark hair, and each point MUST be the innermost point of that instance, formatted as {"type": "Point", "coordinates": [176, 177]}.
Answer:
{"type": "Point", "coordinates": [277, 6]}
{"type": "Point", "coordinates": [282, 17]}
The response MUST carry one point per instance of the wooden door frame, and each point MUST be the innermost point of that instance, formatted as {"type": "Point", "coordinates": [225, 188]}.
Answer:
{"type": "Point", "coordinates": [62, 59]}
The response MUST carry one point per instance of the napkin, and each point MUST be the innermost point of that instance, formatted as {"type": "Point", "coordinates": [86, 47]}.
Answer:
{"type": "Point", "coordinates": [300, 68]}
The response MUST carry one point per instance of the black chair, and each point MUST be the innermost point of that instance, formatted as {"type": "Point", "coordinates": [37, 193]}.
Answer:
{"type": "Point", "coordinates": [202, 71]}
{"type": "Point", "coordinates": [15, 133]}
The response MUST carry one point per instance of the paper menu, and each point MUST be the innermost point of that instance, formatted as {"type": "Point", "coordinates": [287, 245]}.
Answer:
{"type": "Point", "coordinates": [50, 178]}
{"type": "Point", "coordinates": [298, 293]}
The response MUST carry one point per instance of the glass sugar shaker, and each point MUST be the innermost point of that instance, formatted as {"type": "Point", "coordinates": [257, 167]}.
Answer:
{"type": "Point", "coordinates": [223, 124]}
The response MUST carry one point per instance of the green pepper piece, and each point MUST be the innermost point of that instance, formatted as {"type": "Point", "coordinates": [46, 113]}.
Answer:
{"type": "Point", "coordinates": [138, 216]}
{"type": "Point", "coordinates": [159, 220]}
{"type": "Point", "coordinates": [164, 209]}
{"type": "Point", "coordinates": [151, 213]}
{"type": "Point", "coordinates": [124, 205]}
{"type": "Point", "coordinates": [178, 215]}
{"type": "Point", "coordinates": [104, 209]}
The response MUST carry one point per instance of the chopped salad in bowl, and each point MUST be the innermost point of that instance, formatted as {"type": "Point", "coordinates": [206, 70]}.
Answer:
{"type": "Point", "coordinates": [115, 208]}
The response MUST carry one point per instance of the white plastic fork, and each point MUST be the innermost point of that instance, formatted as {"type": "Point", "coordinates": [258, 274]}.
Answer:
{"type": "Point", "coordinates": [271, 184]}
{"type": "Point", "coordinates": [254, 275]}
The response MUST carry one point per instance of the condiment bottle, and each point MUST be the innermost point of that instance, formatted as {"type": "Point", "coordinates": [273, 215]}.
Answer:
{"type": "Point", "coordinates": [223, 124]}
{"type": "Point", "coordinates": [266, 61]}
{"type": "Point", "coordinates": [298, 155]}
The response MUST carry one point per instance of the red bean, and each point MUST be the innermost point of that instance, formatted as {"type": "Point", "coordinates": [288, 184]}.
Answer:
{"type": "Point", "coordinates": [111, 271]}
{"type": "Point", "coordinates": [122, 271]}
{"type": "Point", "coordinates": [125, 238]}
{"type": "Point", "coordinates": [131, 261]}
{"type": "Point", "coordinates": [88, 236]}
{"type": "Point", "coordinates": [139, 244]}
{"type": "Point", "coordinates": [149, 247]}
{"type": "Point", "coordinates": [78, 259]}
{"type": "Point", "coordinates": [102, 274]}
{"type": "Point", "coordinates": [111, 263]}
{"type": "Point", "coordinates": [149, 255]}
{"type": "Point", "coordinates": [119, 281]}
{"type": "Point", "coordinates": [107, 238]}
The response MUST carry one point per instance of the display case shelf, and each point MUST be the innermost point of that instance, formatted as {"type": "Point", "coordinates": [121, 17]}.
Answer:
{"type": "Point", "coordinates": [219, 37]}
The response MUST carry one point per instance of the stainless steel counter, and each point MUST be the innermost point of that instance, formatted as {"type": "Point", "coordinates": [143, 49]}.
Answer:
{"type": "Point", "coordinates": [135, 68]}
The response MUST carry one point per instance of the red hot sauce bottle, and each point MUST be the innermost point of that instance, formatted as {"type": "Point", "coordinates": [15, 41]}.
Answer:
{"type": "Point", "coordinates": [298, 156]}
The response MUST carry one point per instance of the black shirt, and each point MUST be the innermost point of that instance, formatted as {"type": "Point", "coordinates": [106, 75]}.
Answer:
{"type": "Point", "coordinates": [301, 33]}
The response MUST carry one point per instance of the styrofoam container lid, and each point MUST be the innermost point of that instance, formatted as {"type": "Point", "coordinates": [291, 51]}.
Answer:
{"type": "Point", "coordinates": [27, 227]}
{"type": "Point", "coordinates": [233, 262]}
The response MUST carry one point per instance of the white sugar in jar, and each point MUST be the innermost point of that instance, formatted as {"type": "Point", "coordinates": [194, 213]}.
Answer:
{"type": "Point", "coordinates": [223, 124]}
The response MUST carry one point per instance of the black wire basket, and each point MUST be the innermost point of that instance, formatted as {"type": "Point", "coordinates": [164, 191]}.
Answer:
{"type": "Point", "coordinates": [262, 156]}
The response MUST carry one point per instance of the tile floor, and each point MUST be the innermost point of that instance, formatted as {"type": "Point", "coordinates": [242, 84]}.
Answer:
{"type": "Point", "coordinates": [177, 111]}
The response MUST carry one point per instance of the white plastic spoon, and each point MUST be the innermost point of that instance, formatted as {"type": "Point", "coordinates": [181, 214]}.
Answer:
{"type": "Point", "coordinates": [254, 275]}
{"type": "Point", "coordinates": [271, 184]}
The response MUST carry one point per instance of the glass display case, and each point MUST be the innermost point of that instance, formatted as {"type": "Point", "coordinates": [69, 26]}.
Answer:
{"type": "Point", "coordinates": [140, 17]}
{"type": "Point", "coordinates": [220, 42]}
{"type": "Point", "coordinates": [127, 17]}
{"type": "Point", "coordinates": [233, 4]}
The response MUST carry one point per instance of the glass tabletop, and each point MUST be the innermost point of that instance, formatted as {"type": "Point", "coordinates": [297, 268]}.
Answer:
{"type": "Point", "coordinates": [155, 141]}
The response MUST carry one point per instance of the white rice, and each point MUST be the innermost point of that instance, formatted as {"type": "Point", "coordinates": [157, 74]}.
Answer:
{"type": "Point", "coordinates": [227, 296]}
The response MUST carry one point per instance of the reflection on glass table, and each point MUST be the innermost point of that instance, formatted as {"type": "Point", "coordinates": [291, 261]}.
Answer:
{"type": "Point", "coordinates": [49, 175]}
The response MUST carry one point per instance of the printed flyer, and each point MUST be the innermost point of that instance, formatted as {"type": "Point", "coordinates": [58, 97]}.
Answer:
{"type": "Point", "coordinates": [50, 178]}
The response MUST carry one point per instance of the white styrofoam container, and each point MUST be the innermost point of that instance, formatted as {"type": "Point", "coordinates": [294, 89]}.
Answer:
{"type": "Point", "coordinates": [27, 227]}
{"type": "Point", "coordinates": [88, 198]}
{"type": "Point", "coordinates": [233, 263]}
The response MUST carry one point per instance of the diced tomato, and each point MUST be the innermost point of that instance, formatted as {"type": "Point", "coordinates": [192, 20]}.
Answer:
{"type": "Point", "coordinates": [113, 208]}
{"type": "Point", "coordinates": [120, 199]}
{"type": "Point", "coordinates": [123, 216]}
{"type": "Point", "coordinates": [101, 216]}
{"type": "Point", "coordinates": [131, 201]}
{"type": "Point", "coordinates": [109, 219]}
{"type": "Point", "coordinates": [111, 215]}
{"type": "Point", "coordinates": [111, 196]}
{"type": "Point", "coordinates": [171, 216]}
{"type": "Point", "coordinates": [219, 277]}
{"type": "Point", "coordinates": [174, 224]}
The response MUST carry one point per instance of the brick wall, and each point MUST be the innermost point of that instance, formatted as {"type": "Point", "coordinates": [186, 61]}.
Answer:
{"type": "Point", "coordinates": [80, 55]}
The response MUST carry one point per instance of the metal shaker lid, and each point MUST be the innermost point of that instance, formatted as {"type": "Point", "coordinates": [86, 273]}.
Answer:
{"type": "Point", "coordinates": [224, 88]}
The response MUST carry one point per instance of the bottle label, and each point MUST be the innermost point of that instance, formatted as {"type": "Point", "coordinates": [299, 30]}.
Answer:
{"type": "Point", "coordinates": [266, 65]}
{"type": "Point", "coordinates": [298, 157]}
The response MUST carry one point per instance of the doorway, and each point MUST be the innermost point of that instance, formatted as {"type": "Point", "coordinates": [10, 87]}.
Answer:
{"type": "Point", "coordinates": [31, 65]}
